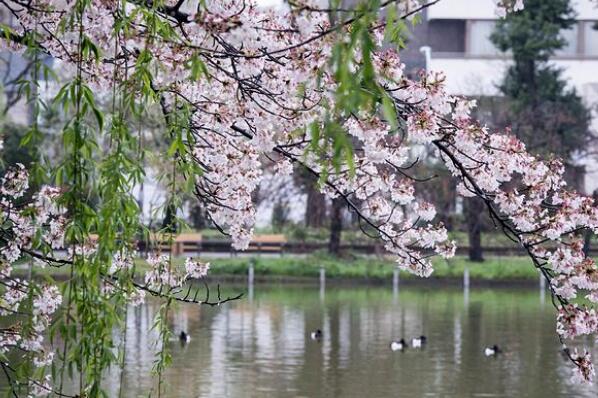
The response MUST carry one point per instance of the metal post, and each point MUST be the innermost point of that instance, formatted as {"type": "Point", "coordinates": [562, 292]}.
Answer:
{"type": "Point", "coordinates": [250, 278]}
{"type": "Point", "coordinates": [466, 297]}
{"type": "Point", "coordinates": [395, 280]}
{"type": "Point", "coordinates": [250, 293]}
{"type": "Point", "coordinates": [542, 288]}
{"type": "Point", "coordinates": [322, 282]}
{"type": "Point", "coordinates": [542, 282]}
{"type": "Point", "coordinates": [427, 51]}
{"type": "Point", "coordinates": [250, 273]}
{"type": "Point", "coordinates": [466, 287]}
{"type": "Point", "coordinates": [466, 278]}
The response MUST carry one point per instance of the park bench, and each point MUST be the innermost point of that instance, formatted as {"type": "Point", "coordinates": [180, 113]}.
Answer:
{"type": "Point", "coordinates": [181, 244]}
{"type": "Point", "coordinates": [187, 242]}
{"type": "Point", "coordinates": [269, 243]}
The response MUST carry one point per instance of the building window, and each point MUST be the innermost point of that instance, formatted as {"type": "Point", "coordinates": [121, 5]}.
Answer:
{"type": "Point", "coordinates": [479, 38]}
{"type": "Point", "coordinates": [447, 35]}
{"type": "Point", "coordinates": [590, 38]}
{"type": "Point", "coordinates": [570, 47]}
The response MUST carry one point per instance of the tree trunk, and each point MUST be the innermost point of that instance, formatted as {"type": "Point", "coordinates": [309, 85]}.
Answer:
{"type": "Point", "coordinates": [587, 242]}
{"type": "Point", "coordinates": [169, 224]}
{"type": "Point", "coordinates": [473, 213]}
{"type": "Point", "coordinates": [336, 225]}
{"type": "Point", "coordinates": [588, 232]}
{"type": "Point", "coordinates": [315, 208]}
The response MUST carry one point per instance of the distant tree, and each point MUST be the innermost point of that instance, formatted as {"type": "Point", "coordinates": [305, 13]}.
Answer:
{"type": "Point", "coordinates": [474, 216]}
{"type": "Point", "coordinates": [280, 215]}
{"type": "Point", "coordinates": [198, 217]}
{"type": "Point", "coordinates": [170, 223]}
{"type": "Point", "coordinates": [13, 152]}
{"type": "Point", "coordinates": [315, 203]}
{"type": "Point", "coordinates": [336, 225]}
{"type": "Point", "coordinates": [543, 111]}
{"type": "Point", "coordinates": [589, 234]}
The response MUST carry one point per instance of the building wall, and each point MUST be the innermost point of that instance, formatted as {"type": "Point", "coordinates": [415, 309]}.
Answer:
{"type": "Point", "coordinates": [473, 76]}
{"type": "Point", "coordinates": [485, 9]}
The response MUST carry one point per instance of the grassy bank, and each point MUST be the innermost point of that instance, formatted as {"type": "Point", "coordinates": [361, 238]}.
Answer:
{"type": "Point", "coordinates": [318, 235]}
{"type": "Point", "coordinates": [359, 268]}
{"type": "Point", "coordinates": [493, 269]}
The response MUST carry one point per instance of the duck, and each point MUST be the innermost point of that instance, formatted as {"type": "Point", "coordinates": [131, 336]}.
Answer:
{"type": "Point", "coordinates": [418, 342]}
{"type": "Point", "coordinates": [316, 335]}
{"type": "Point", "coordinates": [184, 337]}
{"type": "Point", "coordinates": [492, 351]}
{"type": "Point", "coordinates": [400, 345]}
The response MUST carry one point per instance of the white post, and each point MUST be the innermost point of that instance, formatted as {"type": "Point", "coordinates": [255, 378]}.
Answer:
{"type": "Point", "coordinates": [466, 287]}
{"type": "Point", "coordinates": [542, 288]}
{"type": "Point", "coordinates": [542, 282]}
{"type": "Point", "coordinates": [322, 282]}
{"type": "Point", "coordinates": [395, 280]}
{"type": "Point", "coordinates": [427, 51]}
{"type": "Point", "coordinates": [466, 278]}
{"type": "Point", "coordinates": [250, 278]}
{"type": "Point", "coordinates": [466, 297]}
{"type": "Point", "coordinates": [250, 273]}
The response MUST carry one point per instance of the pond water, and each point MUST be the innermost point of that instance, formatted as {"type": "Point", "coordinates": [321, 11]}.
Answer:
{"type": "Point", "coordinates": [260, 346]}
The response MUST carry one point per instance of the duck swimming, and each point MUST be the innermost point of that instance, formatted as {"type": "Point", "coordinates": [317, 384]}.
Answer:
{"type": "Point", "coordinates": [492, 351]}
{"type": "Point", "coordinates": [418, 342]}
{"type": "Point", "coordinates": [317, 335]}
{"type": "Point", "coordinates": [400, 345]}
{"type": "Point", "coordinates": [184, 337]}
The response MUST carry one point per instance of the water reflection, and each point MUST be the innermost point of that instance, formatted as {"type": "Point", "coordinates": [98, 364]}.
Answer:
{"type": "Point", "coordinates": [262, 348]}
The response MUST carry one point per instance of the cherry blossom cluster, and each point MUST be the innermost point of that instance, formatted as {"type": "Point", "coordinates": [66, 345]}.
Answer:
{"type": "Point", "coordinates": [585, 368]}
{"type": "Point", "coordinates": [121, 261]}
{"type": "Point", "coordinates": [503, 7]}
{"type": "Point", "coordinates": [196, 269]}
{"type": "Point", "coordinates": [41, 388]}
{"type": "Point", "coordinates": [161, 276]}
{"type": "Point", "coordinates": [232, 172]}
{"type": "Point", "coordinates": [21, 223]}
{"type": "Point", "coordinates": [28, 227]}
{"type": "Point", "coordinates": [163, 273]}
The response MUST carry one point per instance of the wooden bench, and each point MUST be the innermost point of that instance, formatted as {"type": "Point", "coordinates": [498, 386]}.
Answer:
{"type": "Point", "coordinates": [271, 243]}
{"type": "Point", "coordinates": [184, 242]}
{"type": "Point", "coordinates": [187, 242]}
{"type": "Point", "coordinates": [192, 242]}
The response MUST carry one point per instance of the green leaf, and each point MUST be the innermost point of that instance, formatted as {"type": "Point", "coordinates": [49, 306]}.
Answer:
{"type": "Point", "coordinates": [198, 68]}
{"type": "Point", "coordinates": [389, 111]}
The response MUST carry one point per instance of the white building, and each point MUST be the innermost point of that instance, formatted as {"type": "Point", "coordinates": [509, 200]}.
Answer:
{"type": "Point", "coordinates": [474, 67]}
